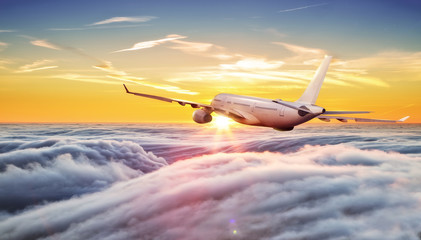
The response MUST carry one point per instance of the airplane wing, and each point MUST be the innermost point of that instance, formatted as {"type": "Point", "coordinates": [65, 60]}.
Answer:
{"type": "Point", "coordinates": [345, 119]}
{"type": "Point", "coordinates": [170, 100]}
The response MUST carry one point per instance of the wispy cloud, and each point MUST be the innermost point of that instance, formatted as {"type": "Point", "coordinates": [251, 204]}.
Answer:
{"type": "Point", "coordinates": [114, 73]}
{"type": "Point", "coordinates": [3, 46]}
{"type": "Point", "coordinates": [303, 7]}
{"type": "Point", "coordinates": [6, 31]}
{"type": "Point", "coordinates": [192, 47]}
{"type": "Point", "coordinates": [45, 44]}
{"type": "Point", "coordinates": [203, 49]}
{"type": "Point", "coordinates": [195, 48]}
{"type": "Point", "coordinates": [36, 66]}
{"type": "Point", "coordinates": [299, 68]}
{"type": "Point", "coordinates": [150, 44]}
{"type": "Point", "coordinates": [97, 27]}
{"type": "Point", "coordinates": [168, 88]}
{"type": "Point", "coordinates": [124, 19]}
{"type": "Point", "coordinates": [41, 42]}
{"type": "Point", "coordinates": [300, 49]}
{"type": "Point", "coordinates": [253, 64]}
{"type": "Point", "coordinates": [4, 62]}
{"type": "Point", "coordinates": [83, 78]}
{"type": "Point", "coordinates": [271, 31]}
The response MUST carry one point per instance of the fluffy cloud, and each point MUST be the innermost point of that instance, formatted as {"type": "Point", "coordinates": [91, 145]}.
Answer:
{"type": "Point", "coordinates": [317, 192]}
{"type": "Point", "coordinates": [52, 169]}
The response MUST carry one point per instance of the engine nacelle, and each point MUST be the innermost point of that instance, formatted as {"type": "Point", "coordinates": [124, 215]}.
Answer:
{"type": "Point", "coordinates": [201, 116]}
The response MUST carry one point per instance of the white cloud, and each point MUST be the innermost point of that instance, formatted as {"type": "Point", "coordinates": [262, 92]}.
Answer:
{"type": "Point", "coordinates": [54, 169]}
{"type": "Point", "coordinates": [192, 47]}
{"type": "Point", "coordinates": [45, 44]}
{"type": "Point", "coordinates": [123, 76]}
{"type": "Point", "coordinates": [301, 8]}
{"type": "Point", "coordinates": [153, 43]}
{"type": "Point", "coordinates": [124, 19]}
{"type": "Point", "coordinates": [82, 78]}
{"type": "Point", "coordinates": [36, 66]}
{"type": "Point", "coordinates": [300, 49]}
{"type": "Point", "coordinates": [330, 192]}
{"type": "Point", "coordinates": [4, 62]}
{"type": "Point", "coordinates": [195, 48]}
{"type": "Point", "coordinates": [6, 31]}
{"type": "Point", "coordinates": [141, 81]}
{"type": "Point", "coordinates": [250, 64]}
{"type": "Point", "coordinates": [97, 27]}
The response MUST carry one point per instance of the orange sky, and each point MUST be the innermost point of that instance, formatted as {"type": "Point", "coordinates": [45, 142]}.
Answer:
{"type": "Point", "coordinates": [76, 74]}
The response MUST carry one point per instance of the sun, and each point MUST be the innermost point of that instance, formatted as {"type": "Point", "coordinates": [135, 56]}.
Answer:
{"type": "Point", "coordinates": [221, 122]}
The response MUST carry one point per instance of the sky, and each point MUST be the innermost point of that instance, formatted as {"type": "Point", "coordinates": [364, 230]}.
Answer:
{"type": "Point", "coordinates": [65, 61]}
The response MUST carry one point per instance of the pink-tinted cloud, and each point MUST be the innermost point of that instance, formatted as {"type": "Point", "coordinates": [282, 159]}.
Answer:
{"type": "Point", "coordinates": [317, 192]}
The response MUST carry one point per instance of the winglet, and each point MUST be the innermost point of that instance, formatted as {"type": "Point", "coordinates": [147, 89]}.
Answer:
{"type": "Point", "coordinates": [127, 90]}
{"type": "Point", "coordinates": [403, 119]}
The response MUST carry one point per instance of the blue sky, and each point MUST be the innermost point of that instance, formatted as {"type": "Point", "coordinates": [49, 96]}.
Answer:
{"type": "Point", "coordinates": [372, 25]}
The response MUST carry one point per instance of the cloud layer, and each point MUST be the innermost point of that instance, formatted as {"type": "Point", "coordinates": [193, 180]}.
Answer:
{"type": "Point", "coordinates": [90, 182]}
{"type": "Point", "coordinates": [328, 192]}
{"type": "Point", "coordinates": [52, 169]}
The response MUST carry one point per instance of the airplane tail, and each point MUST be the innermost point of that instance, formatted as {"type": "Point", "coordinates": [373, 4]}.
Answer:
{"type": "Point", "coordinates": [312, 92]}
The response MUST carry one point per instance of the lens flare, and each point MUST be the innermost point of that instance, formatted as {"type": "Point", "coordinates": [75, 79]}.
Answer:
{"type": "Point", "coordinates": [221, 122]}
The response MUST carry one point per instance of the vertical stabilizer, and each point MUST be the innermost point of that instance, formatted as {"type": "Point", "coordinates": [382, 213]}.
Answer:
{"type": "Point", "coordinates": [312, 92]}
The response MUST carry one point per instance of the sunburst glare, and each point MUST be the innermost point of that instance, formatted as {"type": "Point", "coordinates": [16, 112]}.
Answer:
{"type": "Point", "coordinates": [221, 122]}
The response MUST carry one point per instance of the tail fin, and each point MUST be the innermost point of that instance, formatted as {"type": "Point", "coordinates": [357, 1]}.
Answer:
{"type": "Point", "coordinates": [312, 92]}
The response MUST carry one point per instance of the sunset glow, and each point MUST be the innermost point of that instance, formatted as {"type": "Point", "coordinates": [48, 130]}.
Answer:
{"type": "Point", "coordinates": [56, 67]}
{"type": "Point", "coordinates": [221, 122]}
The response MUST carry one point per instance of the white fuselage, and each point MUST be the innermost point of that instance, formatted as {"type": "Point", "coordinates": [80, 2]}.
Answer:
{"type": "Point", "coordinates": [260, 111]}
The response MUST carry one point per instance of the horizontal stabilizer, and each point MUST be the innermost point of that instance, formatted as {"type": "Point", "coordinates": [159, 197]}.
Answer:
{"type": "Point", "coordinates": [292, 106]}
{"type": "Point", "coordinates": [403, 119]}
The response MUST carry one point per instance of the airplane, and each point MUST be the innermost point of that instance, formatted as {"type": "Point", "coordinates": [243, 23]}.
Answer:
{"type": "Point", "coordinates": [275, 113]}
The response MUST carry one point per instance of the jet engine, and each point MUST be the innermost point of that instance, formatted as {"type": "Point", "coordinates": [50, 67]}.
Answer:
{"type": "Point", "coordinates": [201, 116]}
